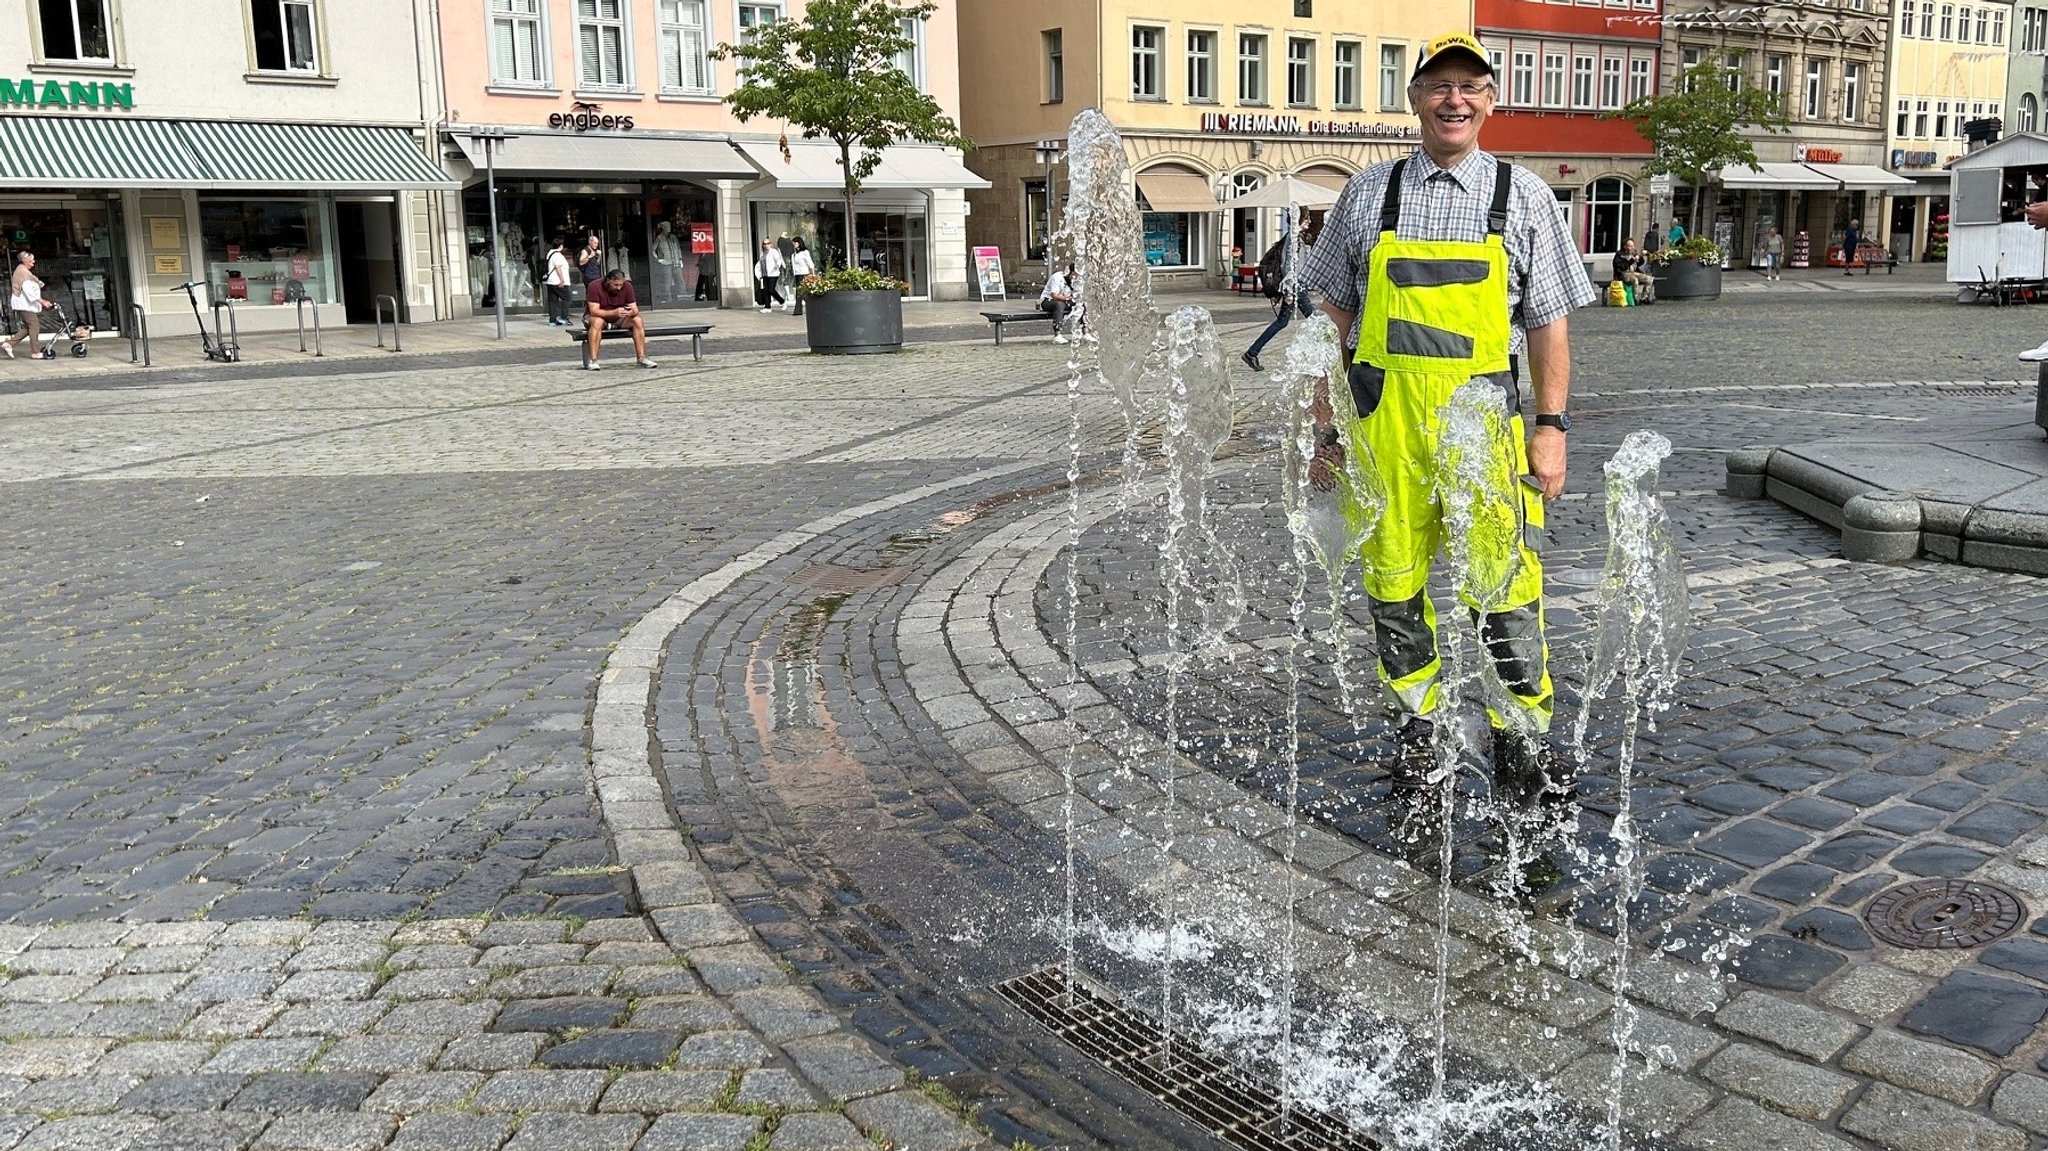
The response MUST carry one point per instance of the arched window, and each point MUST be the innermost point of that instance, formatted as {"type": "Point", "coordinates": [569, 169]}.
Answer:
{"type": "Point", "coordinates": [2030, 112]}
{"type": "Point", "coordinates": [1610, 213]}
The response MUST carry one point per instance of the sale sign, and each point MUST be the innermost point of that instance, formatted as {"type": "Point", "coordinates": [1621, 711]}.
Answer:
{"type": "Point", "coordinates": [703, 238]}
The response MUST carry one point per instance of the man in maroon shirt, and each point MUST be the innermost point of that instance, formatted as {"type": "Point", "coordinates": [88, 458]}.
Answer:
{"type": "Point", "coordinates": [611, 301]}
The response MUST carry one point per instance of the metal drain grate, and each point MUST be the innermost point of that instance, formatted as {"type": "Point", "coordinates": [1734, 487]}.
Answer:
{"type": "Point", "coordinates": [1944, 913]}
{"type": "Point", "coordinates": [1215, 1093]}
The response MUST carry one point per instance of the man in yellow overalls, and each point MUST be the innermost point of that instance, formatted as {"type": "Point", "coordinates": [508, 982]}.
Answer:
{"type": "Point", "coordinates": [1444, 267]}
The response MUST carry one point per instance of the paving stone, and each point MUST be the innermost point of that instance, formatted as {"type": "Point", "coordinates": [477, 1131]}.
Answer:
{"type": "Point", "coordinates": [1929, 1068]}
{"type": "Point", "coordinates": [1905, 819]}
{"type": "Point", "coordinates": [13, 1127]}
{"type": "Point", "coordinates": [434, 983]}
{"type": "Point", "coordinates": [362, 956]}
{"type": "Point", "coordinates": [219, 986]}
{"type": "Point", "coordinates": [382, 1054]}
{"type": "Point", "coordinates": [285, 1091]}
{"type": "Point", "coordinates": [568, 1013]}
{"type": "Point", "coordinates": [736, 967]}
{"type": "Point", "coordinates": [774, 1089]}
{"type": "Point", "coordinates": [841, 1067]}
{"type": "Point", "coordinates": [1652, 1100]}
{"type": "Point", "coordinates": [2019, 956]}
{"type": "Point", "coordinates": [135, 988]}
{"type": "Point", "coordinates": [660, 1092]}
{"type": "Point", "coordinates": [88, 1133]}
{"type": "Point", "coordinates": [307, 986]}
{"type": "Point", "coordinates": [1872, 992]}
{"type": "Point", "coordinates": [437, 1019]}
{"type": "Point", "coordinates": [453, 1133]}
{"type": "Point", "coordinates": [783, 1013]}
{"type": "Point", "coordinates": [689, 1014]}
{"type": "Point", "coordinates": [544, 982]}
{"type": "Point", "coordinates": [249, 1056]}
{"type": "Point", "coordinates": [1940, 859]}
{"type": "Point", "coordinates": [95, 961]}
{"type": "Point", "coordinates": [233, 1019]}
{"type": "Point", "coordinates": [700, 1133]}
{"type": "Point", "coordinates": [431, 956]}
{"type": "Point", "coordinates": [1996, 1015]}
{"type": "Point", "coordinates": [671, 979]}
{"type": "Point", "coordinates": [608, 1049]}
{"type": "Point", "coordinates": [138, 1020]}
{"type": "Point", "coordinates": [1738, 1123]}
{"type": "Point", "coordinates": [74, 1094]}
{"type": "Point", "coordinates": [2023, 1100]}
{"type": "Point", "coordinates": [490, 1052]}
{"type": "Point", "coordinates": [1844, 932]}
{"type": "Point", "coordinates": [1755, 842]}
{"type": "Point", "coordinates": [585, 1132]}
{"type": "Point", "coordinates": [1997, 823]}
{"type": "Point", "coordinates": [1787, 1085]}
{"type": "Point", "coordinates": [1786, 964]}
{"type": "Point", "coordinates": [1855, 851]}
{"type": "Point", "coordinates": [168, 1094]}
{"type": "Point", "coordinates": [223, 1131]}
{"type": "Point", "coordinates": [1908, 1121]}
{"type": "Point", "coordinates": [412, 1093]}
{"type": "Point", "coordinates": [46, 989]}
{"type": "Point", "coordinates": [731, 1050]}
{"type": "Point", "coordinates": [1795, 1027]}
{"type": "Point", "coordinates": [817, 1132]}
{"type": "Point", "coordinates": [324, 1019]}
{"type": "Point", "coordinates": [43, 1058]}
{"type": "Point", "coordinates": [541, 1091]}
{"type": "Point", "coordinates": [327, 1133]}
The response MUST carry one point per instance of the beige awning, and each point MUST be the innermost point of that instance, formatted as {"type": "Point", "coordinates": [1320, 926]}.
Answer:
{"type": "Point", "coordinates": [1776, 177]}
{"type": "Point", "coordinates": [1861, 177]}
{"type": "Point", "coordinates": [621, 156]}
{"type": "Point", "coordinates": [814, 164]}
{"type": "Point", "coordinates": [1168, 190]}
{"type": "Point", "coordinates": [1334, 181]}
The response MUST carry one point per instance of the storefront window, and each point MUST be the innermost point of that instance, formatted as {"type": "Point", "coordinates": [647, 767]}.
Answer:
{"type": "Point", "coordinates": [684, 245]}
{"type": "Point", "coordinates": [1169, 239]}
{"type": "Point", "coordinates": [267, 251]}
{"type": "Point", "coordinates": [78, 256]}
{"type": "Point", "coordinates": [1034, 219]}
{"type": "Point", "coordinates": [1610, 208]}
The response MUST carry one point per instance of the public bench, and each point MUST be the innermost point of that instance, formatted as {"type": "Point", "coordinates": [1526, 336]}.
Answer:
{"type": "Point", "coordinates": [1873, 255]}
{"type": "Point", "coordinates": [696, 332]}
{"type": "Point", "coordinates": [998, 319]}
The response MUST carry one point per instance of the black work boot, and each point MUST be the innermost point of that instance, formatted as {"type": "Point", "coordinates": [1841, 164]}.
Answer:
{"type": "Point", "coordinates": [1532, 784]}
{"type": "Point", "coordinates": [1415, 817]}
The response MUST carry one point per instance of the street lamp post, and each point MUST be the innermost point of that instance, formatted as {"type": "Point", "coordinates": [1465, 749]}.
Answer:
{"type": "Point", "coordinates": [490, 138]}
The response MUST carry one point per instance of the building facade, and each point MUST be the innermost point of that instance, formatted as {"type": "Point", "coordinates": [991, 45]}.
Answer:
{"type": "Point", "coordinates": [277, 158]}
{"type": "Point", "coordinates": [608, 116]}
{"type": "Point", "coordinates": [2026, 79]}
{"type": "Point", "coordinates": [1213, 99]}
{"type": "Point", "coordinates": [1950, 67]}
{"type": "Point", "coordinates": [1824, 61]}
{"type": "Point", "coordinates": [1561, 67]}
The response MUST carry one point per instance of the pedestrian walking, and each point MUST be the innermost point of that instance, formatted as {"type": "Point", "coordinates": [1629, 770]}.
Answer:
{"type": "Point", "coordinates": [800, 266]}
{"type": "Point", "coordinates": [1398, 266]}
{"type": "Point", "coordinates": [590, 263]}
{"type": "Point", "coordinates": [557, 283]}
{"type": "Point", "coordinates": [1852, 241]}
{"type": "Point", "coordinates": [1277, 270]}
{"type": "Point", "coordinates": [1774, 255]}
{"type": "Point", "coordinates": [1676, 235]}
{"type": "Point", "coordinates": [25, 296]}
{"type": "Point", "coordinates": [768, 277]}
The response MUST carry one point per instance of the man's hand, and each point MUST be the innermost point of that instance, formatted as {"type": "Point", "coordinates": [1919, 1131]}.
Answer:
{"type": "Point", "coordinates": [1322, 470]}
{"type": "Point", "coordinates": [2037, 214]}
{"type": "Point", "coordinates": [1546, 460]}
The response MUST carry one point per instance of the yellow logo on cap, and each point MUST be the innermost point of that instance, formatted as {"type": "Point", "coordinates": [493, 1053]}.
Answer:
{"type": "Point", "coordinates": [1453, 42]}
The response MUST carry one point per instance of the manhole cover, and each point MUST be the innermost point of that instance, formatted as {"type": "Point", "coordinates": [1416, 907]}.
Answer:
{"type": "Point", "coordinates": [1239, 1108]}
{"type": "Point", "coordinates": [1931, 913]}
{"type": "Point", "coordinates": [838, 577]}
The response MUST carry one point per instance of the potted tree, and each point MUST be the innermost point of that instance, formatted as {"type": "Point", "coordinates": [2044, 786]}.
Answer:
{"type": "Point", "coordinates": [834, 75]}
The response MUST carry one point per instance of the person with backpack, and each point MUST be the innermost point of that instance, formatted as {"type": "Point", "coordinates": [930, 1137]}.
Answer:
{"type": "Point", "coordinates": [1274, 271]}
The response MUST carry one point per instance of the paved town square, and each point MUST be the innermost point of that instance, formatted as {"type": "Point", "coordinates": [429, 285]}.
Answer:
{"type": "Point", "coordinates": [504, 756]}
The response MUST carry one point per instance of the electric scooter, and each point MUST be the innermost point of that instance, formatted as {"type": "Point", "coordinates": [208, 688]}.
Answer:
{"type": "Point", "coordinates": [216, 349]}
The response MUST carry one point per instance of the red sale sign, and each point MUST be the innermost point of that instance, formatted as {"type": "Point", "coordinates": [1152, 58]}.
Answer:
{"type": "Point", "coordinates": [703, 238]}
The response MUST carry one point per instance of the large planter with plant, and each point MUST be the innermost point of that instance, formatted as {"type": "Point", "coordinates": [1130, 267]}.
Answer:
{"type": "Point", "coordinates": [852, 312]}
{"type": "Point", "coordinates": [1691, 270]}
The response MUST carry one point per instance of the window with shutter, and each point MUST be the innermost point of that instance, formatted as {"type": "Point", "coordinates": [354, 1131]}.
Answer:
{"type": "Point", "coordinates": [518, 43]}
{"type": "Point", "coordinates": [685, 47]}
{"type": "Point", "coordinates": [600, 44]}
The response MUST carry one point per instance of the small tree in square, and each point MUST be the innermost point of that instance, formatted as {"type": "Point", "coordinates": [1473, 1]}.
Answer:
{"type": "Point", "coordinates": [834, 74]}
{"type": "Point", "coordinates": [1697, 128]}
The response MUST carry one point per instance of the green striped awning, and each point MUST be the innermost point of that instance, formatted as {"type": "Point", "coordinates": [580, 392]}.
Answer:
{"type": "Point", "coordinates": [56, 151]}
{"type": "Point", "coordinates": [100, 152]}
{"type": "Point", "coordinates": [337, 157]}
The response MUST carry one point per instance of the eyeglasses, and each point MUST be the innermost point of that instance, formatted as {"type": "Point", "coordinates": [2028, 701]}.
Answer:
{"type": "Point", "coordinates": [1442, 89]}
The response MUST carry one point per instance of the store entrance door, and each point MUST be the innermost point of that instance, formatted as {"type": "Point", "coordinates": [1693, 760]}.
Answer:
{"type": "Point", "coordinates": [369, 256]}
{"type": "Point", "coordinates": [77, 245]}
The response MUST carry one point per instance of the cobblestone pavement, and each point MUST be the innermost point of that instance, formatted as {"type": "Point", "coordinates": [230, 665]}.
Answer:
{"type": "Point", "coordinates": [325, 828]}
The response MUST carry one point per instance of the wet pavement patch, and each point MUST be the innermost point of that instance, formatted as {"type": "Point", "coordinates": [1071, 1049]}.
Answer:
{"type": "Point", "coordinates": [1996, 1015]}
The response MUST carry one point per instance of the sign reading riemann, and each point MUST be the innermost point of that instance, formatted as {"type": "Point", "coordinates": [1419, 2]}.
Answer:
{"type": "Point", "coordinates": [61, 94]}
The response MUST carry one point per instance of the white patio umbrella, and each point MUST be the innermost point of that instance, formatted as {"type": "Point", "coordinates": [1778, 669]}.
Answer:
{"type": "Point", "coordinates": [1286, 192]}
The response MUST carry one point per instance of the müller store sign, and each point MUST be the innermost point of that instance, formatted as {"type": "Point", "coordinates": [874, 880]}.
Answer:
{"type": "Point", "coordinates": [1261, 124]}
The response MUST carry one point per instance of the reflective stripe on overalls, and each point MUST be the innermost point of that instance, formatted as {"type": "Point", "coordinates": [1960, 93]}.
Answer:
{"type": "Point", "coordinates": [1436, 316]}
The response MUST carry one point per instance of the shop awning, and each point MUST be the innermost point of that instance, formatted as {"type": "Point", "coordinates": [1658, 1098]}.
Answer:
{"type": "Point", "coordinates": [75, 152]}
{"type": "Point", "coordinates": [630, 157]}
{"type": "Point", "coordinates": [1861, 177]}
{"type": "Point", "coordinates": [1777, 177]}
{"type": "Point", "coordinates": [1167, 190]}
{"type": "Point", "coordinates": [120, 152]}
{"type": "Point", "coordinates": [1334, 181]}
{"type": "Point", "coordinates": [813, 164]}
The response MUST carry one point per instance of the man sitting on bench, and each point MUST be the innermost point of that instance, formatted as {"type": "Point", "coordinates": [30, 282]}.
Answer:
{"type": "Point", "coordinates": [1057, 300]}
{"type": "Point", "coordinates": [613, 303]}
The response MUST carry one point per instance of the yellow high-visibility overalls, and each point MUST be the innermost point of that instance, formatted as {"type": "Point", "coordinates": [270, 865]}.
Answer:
{"type": "Point", "coordinates": [1436, 316]}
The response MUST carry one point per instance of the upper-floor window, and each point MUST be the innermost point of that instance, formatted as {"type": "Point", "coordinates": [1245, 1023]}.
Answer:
{"type": "Point", "coordinates": [1998, 27]}
{"type": "Point", "coordinates": [1393, 79]}
{"type": "Point", "coordinates": [1905, 119]}
{"type": "Point", "coordinates": [1582, 80]}
{"type": "Point", "coordinates": [1816, 88]}
{"type": "Point", "coordinates": [1941, 119]}
{"type": "Point", "coordinates": [1251, 68]}
{"type": "Point", "coordinates": [1521, 78]}
{"type": "Point", "coordinates": [685, 46]}
{"type": "Point", "coordinates": [1553, 78]}
{"type": "Point", "coordinates": [752, 18]}
{"type": "Point", "coordinates": [1927, 19]}
{"type": "Point", "coordinates": [519, 43]}
{"type": "Point", "coordinates": [1301, 73]}
{"type": "Point", "coordinates": [1733, 64]}
{"type": "Point", "coordinates": [1610, 81]}
{"type": "Point", "coordinates": [284, 32]}
{"type": "Point", "coordinates": [1145, 79]}
{"type": "Point", "coordinates": [1905, 17]}
{"type": "Point", "coordinates": [1963, 24]}
{"type": "Point", "coordinates": [1638, 78]}
{"type": "Point", "coordinates": [1344, 74]}
{"type": "Point", "coordinates": [910, 61]}
{"type": "Point", "coordinates": [1688, 59]}
{"type": "Point", "coordinates": [600, 43]}
{"type": "Point", "coordinates": [1920, 119]}
{"type": "Point", "coordinates": [1052, 41]}
{"type": "Point", "coordinates": [1948, 21]}
{"type": "Point", "coordinates": [1202, 66]}
{"type": "Point", "coordinates": [1774, 80]}
{"type": "Point", "coordinates": [2029, 113]}
{"type": "Point", "coordinates": [1983, 26]}
{"type": "Point", "coordinates": [1304, 9]}
{"type": "Point", "coordinates": [76, 30]}
{"type": "Point", "coordinates": [1852, 94]}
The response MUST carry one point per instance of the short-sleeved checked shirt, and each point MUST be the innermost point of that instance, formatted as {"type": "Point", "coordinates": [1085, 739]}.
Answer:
{"type": "Point", "coordinates": [1546, 278]}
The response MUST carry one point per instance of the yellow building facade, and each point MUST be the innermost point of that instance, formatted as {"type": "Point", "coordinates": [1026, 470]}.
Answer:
{"type": "Point", "coordinates": [1949, 65]}
{"type": "Point", "coordinates": [1214, 98]}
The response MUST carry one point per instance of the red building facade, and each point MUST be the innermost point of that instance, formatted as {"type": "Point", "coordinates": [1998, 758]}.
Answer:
{"type": "Point", "coordinates": [1561, 65]}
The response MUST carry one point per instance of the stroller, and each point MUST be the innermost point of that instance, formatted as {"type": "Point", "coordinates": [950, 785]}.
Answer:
{"type": "Point", "coordinates": [60, 325]}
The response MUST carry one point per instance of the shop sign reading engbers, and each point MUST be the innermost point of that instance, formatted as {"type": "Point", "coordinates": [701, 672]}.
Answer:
{"type": "Point", "coordinates": [583, 116]}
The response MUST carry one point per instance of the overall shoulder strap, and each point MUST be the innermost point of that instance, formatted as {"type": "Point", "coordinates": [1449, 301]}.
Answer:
{"type": "Point", "coordinates": [1390, 203]}
{"type": "Point", "coordinates": [1497, 215]}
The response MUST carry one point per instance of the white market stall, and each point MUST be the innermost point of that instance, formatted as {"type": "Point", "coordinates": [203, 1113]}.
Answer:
{"type": "Point", "coordinates": [1990, 244]}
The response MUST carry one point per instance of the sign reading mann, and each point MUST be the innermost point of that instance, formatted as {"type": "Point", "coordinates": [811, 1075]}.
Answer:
{"type": "Point", "coordinates": [60, 94]}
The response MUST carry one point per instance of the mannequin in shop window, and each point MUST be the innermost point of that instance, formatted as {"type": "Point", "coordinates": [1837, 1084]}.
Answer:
{"type": "Point", "coordinates": [519, 287]}
{"type": "Point", "coordinates": [668, 264]}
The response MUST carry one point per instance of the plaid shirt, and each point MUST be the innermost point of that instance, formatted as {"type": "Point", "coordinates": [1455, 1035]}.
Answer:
{"type": "Point", "coordinates": [1546, 278]}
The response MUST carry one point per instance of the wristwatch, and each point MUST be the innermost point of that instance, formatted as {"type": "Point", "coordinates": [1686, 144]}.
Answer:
{"type": "Point", "coordinates": [1562, 421]}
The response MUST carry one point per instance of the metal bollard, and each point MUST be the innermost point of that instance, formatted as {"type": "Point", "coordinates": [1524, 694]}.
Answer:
{"type": "Point", "coordinates": [231, 347]}
{"type": "Point", "coordinates": [377, 306]}
{"type": "Point", "coordinates": [138, 330]}
{"type": "Point", "coordinates": [316, 327]}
